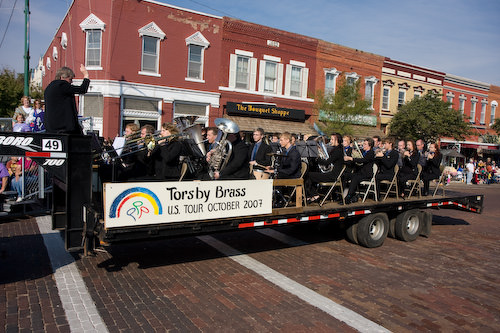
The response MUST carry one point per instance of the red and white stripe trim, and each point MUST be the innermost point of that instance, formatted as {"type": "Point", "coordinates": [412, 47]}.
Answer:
{"type": "Point", "coordinates": [302, 219]}
{"type": "Point", "coordinates": [45, 154]}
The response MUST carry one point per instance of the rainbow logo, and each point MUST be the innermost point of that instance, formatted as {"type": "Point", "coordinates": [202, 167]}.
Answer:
{"type": "Point", "coordinates": [138, 207]}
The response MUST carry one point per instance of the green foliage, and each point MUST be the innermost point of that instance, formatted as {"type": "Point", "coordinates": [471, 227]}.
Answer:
{"type": "Point", "coordinates": [36, 93]}
{"type": "Point", "coordinates": [11, 91]}
{"type": "Point", "coordinates": [429, 118]}
{"type": "Point", "coordinates": [489, 138]}
{"type": "Point", "coordinates": [496, 126]}
{"type": "Point", "coordinates": [340, 110]}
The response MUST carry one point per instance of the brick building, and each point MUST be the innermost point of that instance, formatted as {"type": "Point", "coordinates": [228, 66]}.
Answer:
{"type": "Point", "coordinates": [148, 62]}
{"type": "Point", "coordinates": [334, 61]}
{"type": "Point", "coordinates": [401, 82]}
{"type": "Point", "coordinates": [267, 77]}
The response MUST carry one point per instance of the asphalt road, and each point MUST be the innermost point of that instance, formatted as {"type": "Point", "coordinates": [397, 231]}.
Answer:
{"type": "Point", "coordinates": [295, 278]}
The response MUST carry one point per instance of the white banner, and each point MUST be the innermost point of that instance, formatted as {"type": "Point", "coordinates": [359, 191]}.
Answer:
{"type": "Point", "coordinates": [135, 204]}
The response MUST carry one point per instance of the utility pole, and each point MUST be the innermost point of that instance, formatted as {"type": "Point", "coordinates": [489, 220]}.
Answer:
{"type": "Point", "coordinates": [26, 47]}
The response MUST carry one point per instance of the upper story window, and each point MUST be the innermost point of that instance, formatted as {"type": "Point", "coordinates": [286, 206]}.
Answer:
{"type": "Point", "coordinates": [271, 75]}
{"type": "Point", "coordinates": [473, 103]}
{"type": "Point", "coordinates": [403, 87]}
{"type": "Point", "coordinates": [449, 98]}
{"type": "Point", "coordinates": [482, 117]}
{"type": "Point", "coordinates": [331, 80]}
{"type": "Point", "coordinates": [197, 44]}
{"type": "Point", "coordinates": [494, 105]}
{"type": "Point", "coordinates": [385, 98]}
{"type": "Point", "coordinates": [461, 103]}
{"type": "Point", "coordinates": [296, 79]}
{"type": "Point", "coordinates": [369, 89]}
{"type": "Point", "coordinates": [351, 78]}
{"type": "Point", "coordinates": [401, 97]}
{"type": "Point", "coordinates": [151, 36]}
{"type": "Point", "coordinates": [242, 70]}
{"type": "Point", "coordinates": [93, 28]}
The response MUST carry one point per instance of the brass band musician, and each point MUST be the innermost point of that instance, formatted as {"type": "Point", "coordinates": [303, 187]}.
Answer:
{"type": "Point", "coordinates": [409, 169]}
{"type": "Point", "coordinates": [259, 155]}
{"type": "Point", "coordinates": [387, 158]}
{"type": "Point", "coordinates": [165, 156]}
{"type": "Point", "coordinates": [335, 158]}
{"type": "Point", "coordinates": [363, 169]}
{"type": "Point", "coordinates": [290, 165]}
{"type": "Point", "coordinates": [237, 167]}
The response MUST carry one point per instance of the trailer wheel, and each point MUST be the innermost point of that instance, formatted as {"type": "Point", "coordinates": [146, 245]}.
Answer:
{"type": "Point", "coordinates": [408, 225]}
{"type": "Point", "coordinates": [352, 233]}
{"type": "Point", "coordinates": [372, 230]}
{"type": "Point", "coordinates": [391, 232]}
{"type": "Point", "coordinates": [426, 218]}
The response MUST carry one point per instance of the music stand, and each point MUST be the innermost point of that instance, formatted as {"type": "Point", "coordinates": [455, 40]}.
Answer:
{"type": "Point", "coordinates": [308, 149]}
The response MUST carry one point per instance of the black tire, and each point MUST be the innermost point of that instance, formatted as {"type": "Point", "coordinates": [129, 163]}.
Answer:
{"type": "Point", "coordinates": [352, 233]}
{"type": "Point", "coordinates": [426, 218]}
{"type": "Point", "coordinates": [408, 225]}
{"type": "Point", "coordinates": [372, 230]}
{"type": "Point", "coordinates": [391, 233]}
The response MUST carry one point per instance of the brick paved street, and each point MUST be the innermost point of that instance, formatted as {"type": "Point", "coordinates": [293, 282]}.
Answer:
{"type": "Point", "coordinates": [448, 282]}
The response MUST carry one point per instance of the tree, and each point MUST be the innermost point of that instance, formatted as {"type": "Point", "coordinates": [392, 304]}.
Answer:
{"type": "Point", "coordinates": [341, 109]}
{"type": "Point", "coordinates": [11, 91]}
{"type": "Point", "coordinates": [496, 126]}
{"type": "Point", "coordinates": [429, 118]}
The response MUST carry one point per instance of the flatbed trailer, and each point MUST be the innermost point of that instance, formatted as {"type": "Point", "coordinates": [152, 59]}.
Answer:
{"type": "Point", "coordinates": [367, 223]}
{"type": "Point", "coordinates": [88, 217]}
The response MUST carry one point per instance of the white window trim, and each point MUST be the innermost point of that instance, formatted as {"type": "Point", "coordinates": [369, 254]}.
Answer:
{"type": "Point", "coordinates": [304, 78]}
{"type": "Point", "coordinates": [352, 75]}
{"type": "Point", "coordinates": [473, 104]}
{"type": "Point", "coordinates": [482, 116]}
{"type": "Point", "coordinates": [493, 108]}
{"type": "Point", "coordinates": [151, 30]}
{"type": "Point", "coordinates": [278, 84]}
{"type": "Point", "coordinates": [92, 22]}
{"type": "Point", "coordinates": [373, 80]}
{"type": "Point", "coordinates": [335, 73]}
{"type": "Point", "coordinates": [388, 98]}
{"type": "Point", "coordinates": [197, 39]}
{"type": "Point", "coordinates": [252, 71]}
{"type": "Point", "coordinates": [403, 90]}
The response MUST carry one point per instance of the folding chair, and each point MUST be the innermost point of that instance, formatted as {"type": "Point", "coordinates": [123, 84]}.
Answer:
{"type": "Point", "coordinates": [184, 167]}
{"type": "Point", "coordinates": [302, 173]}
{"type": "Point", "coordinates": [441, 181]}
{"type": "Point", "coordinates": [391, 184]}
{"type": "Point", "coordinates": [332, 185]}
{"type": "Point", "coordinates": [371, 186]}
{"type": "Point", "coordinates": [415, 183]}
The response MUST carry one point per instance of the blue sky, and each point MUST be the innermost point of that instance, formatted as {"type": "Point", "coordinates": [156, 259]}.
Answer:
{"type": "Point", "coordinates": [460, 37]}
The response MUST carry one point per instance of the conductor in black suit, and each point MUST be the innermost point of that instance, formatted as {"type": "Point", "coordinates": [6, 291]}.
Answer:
{"type": "Point", "coordinates": [259, 155]}
{"type": "Point", "coordinates": [61, 115]}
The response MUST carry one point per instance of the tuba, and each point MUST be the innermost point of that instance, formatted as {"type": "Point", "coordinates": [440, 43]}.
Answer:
{"type": "Point", "coordinates": [192, 131]}
{"type": "Point", "coordinates": [323, 154]}
{"type": "Point", "coordinates": [222, 151]}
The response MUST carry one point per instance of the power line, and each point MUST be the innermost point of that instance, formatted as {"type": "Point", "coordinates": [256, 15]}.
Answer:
{"type": "Point", "coordinates": [8, 23]}
{"type": "Point", "coordinates": [219, 11]}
